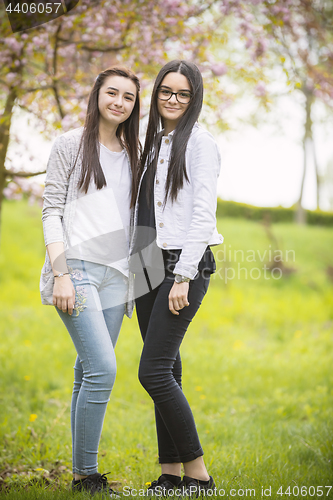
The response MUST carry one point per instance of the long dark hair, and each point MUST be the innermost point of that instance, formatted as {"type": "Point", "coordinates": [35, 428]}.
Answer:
{"type": "Point", "coordinates": [177, 166]}
{"type": "Point", "coordinates": [127, 133]}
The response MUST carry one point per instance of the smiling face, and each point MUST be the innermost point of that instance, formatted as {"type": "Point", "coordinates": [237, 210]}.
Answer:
{"type": "Point", "coordinates": [116, 100]}
{"type": "Point", "coordinates": [171, 111]}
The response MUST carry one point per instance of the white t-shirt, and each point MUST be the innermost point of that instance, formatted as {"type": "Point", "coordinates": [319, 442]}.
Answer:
{"type": "Point", "coordinates": [102, 217]}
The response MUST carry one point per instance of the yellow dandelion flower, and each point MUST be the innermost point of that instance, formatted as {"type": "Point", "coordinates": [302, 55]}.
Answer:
{"type": "Point", "coordinates": [298, 334]}
{"type": "Point", "coordinates": [198, 388]}
{"type": "Point", "coordinates": [33, 417]}
{"type": "Point", "coordinates": [148, 483]}
{"type": "Point", "coordinates": [26, 377]}
{"type": "Point", "coordinates": [238, 344]}
{"type": "Point", "coordinates": [202, 396]}
{"type": "Point", "coordinates": [27, 343]}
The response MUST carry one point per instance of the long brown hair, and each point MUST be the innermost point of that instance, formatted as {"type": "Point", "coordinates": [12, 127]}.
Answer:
{"type": "Point", "coordinates": [127, 133]}
{"type": "Point", "coordinates": [177, 166]}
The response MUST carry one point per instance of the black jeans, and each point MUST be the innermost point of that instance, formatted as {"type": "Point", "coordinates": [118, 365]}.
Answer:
{"type": "Point", "coordinates": [160, 368]}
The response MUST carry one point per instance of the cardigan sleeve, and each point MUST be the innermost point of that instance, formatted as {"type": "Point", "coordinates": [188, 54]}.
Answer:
{"type": "Point", "coordinates": [56, 188]}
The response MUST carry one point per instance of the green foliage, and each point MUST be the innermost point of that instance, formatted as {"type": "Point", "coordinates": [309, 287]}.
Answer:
{"type": "Point", "coordinates": [257, 369]}
{"type": "Point", "coordinates": [275, 214]}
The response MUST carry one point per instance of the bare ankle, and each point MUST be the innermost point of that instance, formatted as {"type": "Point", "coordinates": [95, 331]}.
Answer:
{"type": "Point", "coordinates": [196, 469]}
{"type": "Point", "coordinates": [78, 476]}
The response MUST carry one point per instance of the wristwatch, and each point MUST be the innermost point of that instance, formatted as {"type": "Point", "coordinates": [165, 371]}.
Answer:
{"type": "Point", "coordinates": [181, 279]}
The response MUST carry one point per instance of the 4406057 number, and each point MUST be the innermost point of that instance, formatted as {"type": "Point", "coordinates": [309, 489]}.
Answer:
{"type": "Point", "coordinates": [303, 491]}
{"type": "Point", "coordinates": [33, 8]}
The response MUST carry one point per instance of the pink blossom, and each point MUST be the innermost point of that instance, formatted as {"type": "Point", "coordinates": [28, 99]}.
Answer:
{"type": "Point", "coordinates": [171, 21]}
{"type": "Point", "coordinates": [249, 43]}
{"type": "Point", "coordinates": [11, 77]}
{"type": "Point", "coordinates": [219, 69]}
{"type": "Point", "coordinates": [38, 41]}
{"type": "Point", "coordinates": [260, 89]}
{"type": "Point", "coordinates": [66, 122]}
{"type": "Point", "coordinates": [13, 44]}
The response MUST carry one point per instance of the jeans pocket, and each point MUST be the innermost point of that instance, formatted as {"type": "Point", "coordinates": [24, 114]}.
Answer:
{"type": "Point", "coordinates": [78, 276]}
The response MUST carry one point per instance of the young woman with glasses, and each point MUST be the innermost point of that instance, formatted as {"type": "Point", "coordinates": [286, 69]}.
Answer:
{"type": "Point", "coordinates": [177, 198]}
{"type": "Point", "coordinates": [91, 174]}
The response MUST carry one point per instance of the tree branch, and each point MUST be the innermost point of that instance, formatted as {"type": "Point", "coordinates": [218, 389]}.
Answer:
{"type": "Point", "coordinates": [55, 81]}
{"type": "Point", "coordinates": [92, 49]}
{"type": "Point", "coordinates": [45, 87]}
{"type": "Point", "coordinates": [22, 173]}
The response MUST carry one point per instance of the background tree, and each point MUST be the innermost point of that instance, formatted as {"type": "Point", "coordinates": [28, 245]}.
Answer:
{"type": "Point", "coordinates": [48, 71]}
{"type": "Point", "coordinates": [298, 36]}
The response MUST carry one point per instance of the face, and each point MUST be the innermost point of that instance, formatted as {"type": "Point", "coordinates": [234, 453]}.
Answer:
{"type": "Point", "coordinates": [116, 99]}
{"type": "Point", "coordinates": [171, 111]}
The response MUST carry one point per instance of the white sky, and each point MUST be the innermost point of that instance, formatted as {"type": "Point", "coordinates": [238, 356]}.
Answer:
{"type": "Point", "coordinates": [263, 166]}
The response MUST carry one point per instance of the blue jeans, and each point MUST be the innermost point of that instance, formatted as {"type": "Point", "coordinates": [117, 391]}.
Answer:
{"type": "Point", "coordinates": [100, 296]}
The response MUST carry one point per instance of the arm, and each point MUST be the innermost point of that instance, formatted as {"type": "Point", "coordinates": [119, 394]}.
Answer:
{"type": "Point", "coordinates": [55, 194]}
{"type": "Point", "coordinates": [63, 290]}
{"type": "Point", "coordinates": [205, 168]}
{"type": "Point", "coordinates": [56, 189]}
{"type": "Point", "coordinates": [178, 297]}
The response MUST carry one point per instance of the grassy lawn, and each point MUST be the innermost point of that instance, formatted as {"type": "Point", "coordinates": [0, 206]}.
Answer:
{"type": "Point", "coordinates": [257, 370]}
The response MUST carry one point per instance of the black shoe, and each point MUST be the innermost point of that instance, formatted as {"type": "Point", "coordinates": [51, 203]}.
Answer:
{"type": "Point", "coordinates": [95, 483]}
{"type": "Point", "coordinates": [161, 487]}
{"type": "Point", "coordinates": [194, 488]}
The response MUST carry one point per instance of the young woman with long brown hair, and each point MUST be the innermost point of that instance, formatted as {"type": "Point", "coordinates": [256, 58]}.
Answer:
{"type": "Point", "coordinates": [177, 198]}
{"type": "Point", "coordinates": [91, 175]}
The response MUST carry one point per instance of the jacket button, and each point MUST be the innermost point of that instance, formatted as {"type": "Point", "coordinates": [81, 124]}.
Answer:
{"type": "Point", "coordinates": [162, 161]}
{"type": "Point", "coordinates": [157, 181]}
{"type": "Point", "coordinates": [161, 224]}
{"type": "Point", "coordinates": [167, 141]}
{"type": "Point", "coordinates": [159, 203]}
{"type": "Point", "coordinates": [165, 245]}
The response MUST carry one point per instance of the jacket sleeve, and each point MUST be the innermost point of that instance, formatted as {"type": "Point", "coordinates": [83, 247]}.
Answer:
{"type": "Point", "coordinates": [205, 163]}
{"type": "Point", "coordinates": [55, 193]}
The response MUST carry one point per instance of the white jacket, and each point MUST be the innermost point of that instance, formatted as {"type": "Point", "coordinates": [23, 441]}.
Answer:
{"type": "Point", "coordinates": [189, 223]}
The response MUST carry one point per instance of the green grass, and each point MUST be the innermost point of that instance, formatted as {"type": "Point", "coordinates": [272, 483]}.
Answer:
{"type": "Point", "coordinates": [257, 370]}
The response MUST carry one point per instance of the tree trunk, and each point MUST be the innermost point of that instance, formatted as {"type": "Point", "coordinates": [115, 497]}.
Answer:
{"type": "Point", "coordinates": [318, 178]}
{"type": "Point", "coordinates": [300, 215]}
{"type": "Point", "coordinates": [5, 122]}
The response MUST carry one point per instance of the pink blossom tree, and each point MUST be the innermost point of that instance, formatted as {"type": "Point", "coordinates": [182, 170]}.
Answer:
{"type": "Point", "coordinates": [48, 71]}
{"type": "Point", "coordinates": [296, 35]}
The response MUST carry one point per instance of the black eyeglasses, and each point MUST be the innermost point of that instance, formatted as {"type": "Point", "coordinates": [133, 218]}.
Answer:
{"type": "Point", "coordinates": [182, 97]}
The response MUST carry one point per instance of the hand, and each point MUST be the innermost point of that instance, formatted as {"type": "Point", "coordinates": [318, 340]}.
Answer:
{"type": "Point", "coordinates": [64, 294]}
{"type": "Point", "coordinates": [178, 297]}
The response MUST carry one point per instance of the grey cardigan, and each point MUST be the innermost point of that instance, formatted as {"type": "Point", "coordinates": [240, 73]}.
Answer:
{"type": "Point", "coordinates": [60, 195]}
